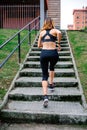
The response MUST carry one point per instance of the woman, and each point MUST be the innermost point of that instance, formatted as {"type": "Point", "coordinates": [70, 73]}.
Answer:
{"type": "Point", "coordinates": [49, 54]}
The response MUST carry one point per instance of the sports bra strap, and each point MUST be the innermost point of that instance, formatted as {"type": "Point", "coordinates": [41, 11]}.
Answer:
{"type": "Point", "coordinates": [50, 39]}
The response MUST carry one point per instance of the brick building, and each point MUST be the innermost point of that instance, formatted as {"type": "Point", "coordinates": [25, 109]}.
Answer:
{"type": "Point", "coordinates": [70, 27]}
{"type": "Point", "coordinates": [79, 18]}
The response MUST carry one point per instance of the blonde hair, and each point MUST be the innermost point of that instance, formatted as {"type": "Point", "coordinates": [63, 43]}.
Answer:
{"type": "Point", "coordinates": [48, 24]}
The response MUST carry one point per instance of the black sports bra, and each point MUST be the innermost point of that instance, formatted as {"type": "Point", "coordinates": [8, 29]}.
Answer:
{"type": "Point", "coordinates": [50, 39]}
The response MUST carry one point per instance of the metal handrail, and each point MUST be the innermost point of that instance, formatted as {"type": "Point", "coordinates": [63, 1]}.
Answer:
{"type": "Point", "coordinates": [28, 26]}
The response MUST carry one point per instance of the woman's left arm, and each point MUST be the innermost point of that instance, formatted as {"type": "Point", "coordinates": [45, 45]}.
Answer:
{"type": "Point", "coordinates": [59, 35]}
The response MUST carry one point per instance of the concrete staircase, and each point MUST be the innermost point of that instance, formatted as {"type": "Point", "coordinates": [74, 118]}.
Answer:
{"type": "Point", "coordinates": [54, 11]}
{"type": "Point", "coordinates": [25, 102]}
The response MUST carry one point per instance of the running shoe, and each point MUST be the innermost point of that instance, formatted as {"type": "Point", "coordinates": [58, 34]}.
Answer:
{"type": "Point", "coordinates": [45, 103]}
{"type": "Point", "coordinates": [51, 87]}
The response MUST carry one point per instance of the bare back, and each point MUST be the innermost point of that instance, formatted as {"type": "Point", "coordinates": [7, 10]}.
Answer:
{"type": "Point", "coordinates": [48, 45]}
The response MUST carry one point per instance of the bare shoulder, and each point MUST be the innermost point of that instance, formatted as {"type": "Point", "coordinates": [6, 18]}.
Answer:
{"type": "Point", "coordinates": [56, 30]}
{"type": "Point", "coordinates": [42, 33]}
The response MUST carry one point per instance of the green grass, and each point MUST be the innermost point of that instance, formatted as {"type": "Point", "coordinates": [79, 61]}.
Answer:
{"type": "Point", "coordinates": [6, 34]}
{"type": "Point", "coordinates": [9, 70]}
{"type": "Point", "coordinates": [78, 41]}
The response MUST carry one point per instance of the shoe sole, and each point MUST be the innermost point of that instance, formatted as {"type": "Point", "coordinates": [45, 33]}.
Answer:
{"type": "Point", "coordinates": [45, 103]}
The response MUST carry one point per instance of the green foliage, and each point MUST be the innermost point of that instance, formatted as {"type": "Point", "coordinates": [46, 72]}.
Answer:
{"type": "Point", "coordinates": [84, 29]}
{"type": "Point", "coordinates": [9, 70]}
{"type": "Point", "coordinates": [2, 92]}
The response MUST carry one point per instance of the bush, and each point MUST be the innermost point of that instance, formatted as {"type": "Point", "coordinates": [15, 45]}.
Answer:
{"type": "Point", "coordinates": [84, 29]}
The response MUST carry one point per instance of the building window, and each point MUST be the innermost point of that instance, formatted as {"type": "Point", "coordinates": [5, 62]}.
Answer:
{"type": "Point", "coordinates": [82, 22]}
{"type": "Point", "coordinates": [78, 28]}
{"type": "Point", "coordinates": [77, 17]}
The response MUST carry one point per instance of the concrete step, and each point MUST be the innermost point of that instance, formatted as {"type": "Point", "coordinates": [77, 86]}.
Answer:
{"type": "Point", "coordinates": [62, 49]}
{"type": "Point", "coordinates": [62, 41]}
{"type": "Point", "coordinates": [36, 72]}
{"type": "Point", "coordinates": [57, 112]}
{"type": "Point", "coordinates": [36, 82]}
{"type": "Point", "coordinates": [61, 53]}
{"type": "Point", "coordinates": [62, 45]}
{"type": "Point", "coordinates": [54, 6]}
{"type": "Point", "coordinates": [61, 58]}
{"type": "Point", "coordinates": [64, 38]}
{"type": "Point", "coordinates": [60, 64]}
{"type": "Point", "coordinates": [53, 9]}
{"type": "Point", "coordinates": [35, 94]}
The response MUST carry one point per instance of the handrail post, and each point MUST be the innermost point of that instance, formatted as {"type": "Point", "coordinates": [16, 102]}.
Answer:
{"type": "Point", "coordinates": [29, 34]}
{"type": "Point", "coordinates": [39, 22]}
{"type": "Point", "coordinates": [19, 48]}
{"type": "Point", "coordinates": [35, 27]}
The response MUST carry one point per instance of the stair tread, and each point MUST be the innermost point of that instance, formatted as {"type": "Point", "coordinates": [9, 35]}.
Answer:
{"type": "Point", "coordinates": [60, 62]}
{"type": "Point", "coordinates": [36, 70]}
{"type": "Point", "coordinates": [58, 52]}
{"type": "Point", "coordinates": [36, 107]}
{"type": "Point", "coordinates": [39, 79]}
{"type": "Point", "coordinates": [38, 91]}
{"type": "Point", "coordinates": [39, 57]}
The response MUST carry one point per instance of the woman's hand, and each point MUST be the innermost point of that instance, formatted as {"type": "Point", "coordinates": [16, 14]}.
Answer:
{"type": "Point", "coordinates": [40, 45]}
{"type": "Point", "coordinates": [59, 48]}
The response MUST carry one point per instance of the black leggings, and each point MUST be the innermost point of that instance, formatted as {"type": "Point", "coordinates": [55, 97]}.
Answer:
{"type": "Point", "coordinates": [48, 59]}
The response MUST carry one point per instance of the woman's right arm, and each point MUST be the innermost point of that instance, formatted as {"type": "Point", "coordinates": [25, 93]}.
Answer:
{"type": "Point", "coordinates": [39, 42]}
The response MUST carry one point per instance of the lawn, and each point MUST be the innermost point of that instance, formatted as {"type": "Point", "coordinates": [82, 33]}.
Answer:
{"type": "Point", "coordinates": [9, 70]}
{"type": "Point", "coordinates": [78, 41]}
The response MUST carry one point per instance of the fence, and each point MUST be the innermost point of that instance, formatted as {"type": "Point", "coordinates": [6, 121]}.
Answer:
{"type": "Point", "coordinates": [17, 16]}
{"type": "Point", "coordinates": [33, 25]}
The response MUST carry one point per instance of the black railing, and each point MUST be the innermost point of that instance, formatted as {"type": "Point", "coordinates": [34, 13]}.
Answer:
{"type": "Point", "coordinates": [33, 25]}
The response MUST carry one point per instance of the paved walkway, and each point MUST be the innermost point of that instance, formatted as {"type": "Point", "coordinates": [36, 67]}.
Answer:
{"type": "Point", "coordinates": [40, 127]}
